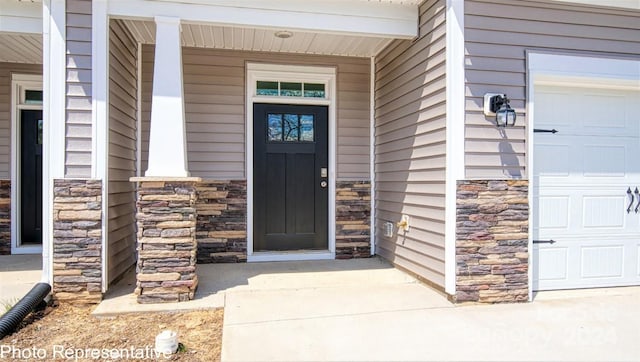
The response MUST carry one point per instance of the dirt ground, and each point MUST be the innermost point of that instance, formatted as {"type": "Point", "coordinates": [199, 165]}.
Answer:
{"type": "Point", "coordinates": [68, 332]}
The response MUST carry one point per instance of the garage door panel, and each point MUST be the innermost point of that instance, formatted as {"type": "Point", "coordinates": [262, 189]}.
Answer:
{"type": "Point", "coordinates": [603, 212]}
{"type": "Point", "coordinates": [554, 212]}
{"type": "Point", "coordinates": [556, 113]}
{"type": "Point", "coordinates": [605, 160]}
{"type": "Point", "coordinates": [581, 175]}
{"type": "Point", "coordinates": [609, 112]}
{"type": "Point", "coordinates": [554, 160]}
{"type": "Point", "coordinates": [573, 263]}
{"type": "Point", "coordinates": [602, 261]}
{"type": "Point", "coordinates": [596, 112]}
{"type": "Point", "coordinates": [564, 211]}
{"type": "Point", "coordinates": [553, 263]}
{"type": "Point", "coordinates": [586, 156]}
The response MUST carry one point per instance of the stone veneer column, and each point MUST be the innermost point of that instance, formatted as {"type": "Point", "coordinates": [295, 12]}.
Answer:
{"type": "Point", "coordinates": [167, 247]}
{"type": "Point", "coordinates": [353, 219]}
{"type": "Point", "coordinates": [5, 217]}
{"type": "Point", "coordinates": [492, 233]}
{"type": "Point", "coordinates": [221, 227]}
{"type": "Point", "coordinates": [77, 240]}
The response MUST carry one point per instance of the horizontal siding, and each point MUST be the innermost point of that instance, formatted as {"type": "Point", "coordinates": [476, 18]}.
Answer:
{"type": "Point", "coordinates": [410, 146]}
{"type": "Point", "coordinates": [214, 90]}
{"type": "Point", "coordinates": [123, 108]}
{"type": "Point", "coordinates": [497, 35]}
{"type": "Point", "coordinates": [6, 69]}
{"type": "Point", "coordinates": [78, 92]}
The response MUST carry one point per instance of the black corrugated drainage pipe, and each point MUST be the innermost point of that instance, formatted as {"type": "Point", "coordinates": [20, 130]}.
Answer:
{"type": "Point", "coordinates": [12, 318]}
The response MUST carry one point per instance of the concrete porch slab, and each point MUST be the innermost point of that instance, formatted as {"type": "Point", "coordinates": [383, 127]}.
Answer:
{"type": "Point", "coordinates": [18, 274]}
{"type": "Point", "coordinates": [218, 281]}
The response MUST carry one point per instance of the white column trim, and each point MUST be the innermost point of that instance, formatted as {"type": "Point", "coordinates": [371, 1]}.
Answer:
{"type": "Point", "coordinates": [292, 73]}
{"type": "Point", "coordinates": [100, 117]}
{"type": "Point", "coordinates": [529, 164]}
{"type": "Point", "coordinates": [56, 58]}
{"type": "Point", "coordinates": [139, 112]}
{"type": "Point", "coordinates": [372, 153]}
{"type": "Point", "coordinates": [54, 86]}
{"type": "Point", "coordinates": [455, 131]}
{"type": "Point", "coordinates": [167, 134]}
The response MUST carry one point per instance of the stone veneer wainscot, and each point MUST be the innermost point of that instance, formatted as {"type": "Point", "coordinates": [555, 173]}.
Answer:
{"type": "Point", "coordinates": [222, 221]}
{"type": "Point", "coordinates": [353, 219]}
{"type": "Point", "coordinates": [77, 240]}
{"type": "Point", "coordinates": [492, 232]}
{"type": "Point", "coordinates": [166, 219]}
{"type": "Point", "coordinates": [5, 217]}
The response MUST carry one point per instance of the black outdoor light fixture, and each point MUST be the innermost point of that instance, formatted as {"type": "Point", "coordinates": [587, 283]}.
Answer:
{"type": "Point", "coordinates": [498, 105]}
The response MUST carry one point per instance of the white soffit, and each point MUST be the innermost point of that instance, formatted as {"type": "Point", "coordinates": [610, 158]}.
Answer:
{"type": "Point", "coordinates": [21, 48]}
{"type": "Point", "coordinates": [21, 31]}
{"type": "Point", "coordinates": [252, 39]}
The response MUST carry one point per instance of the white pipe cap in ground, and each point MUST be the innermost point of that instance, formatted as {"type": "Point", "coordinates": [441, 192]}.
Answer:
{"type": "Point", "coordinates": [167, 342]}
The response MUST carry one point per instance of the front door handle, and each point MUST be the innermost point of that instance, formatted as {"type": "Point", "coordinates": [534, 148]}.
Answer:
{"type": "Point", "coordinates": [631, 202]}
{"type": "Point", "coordinates": [637, 192]}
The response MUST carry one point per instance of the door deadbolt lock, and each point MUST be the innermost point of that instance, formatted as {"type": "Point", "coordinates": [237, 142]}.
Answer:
{"type": "Point", "coordinates": [323, 184]}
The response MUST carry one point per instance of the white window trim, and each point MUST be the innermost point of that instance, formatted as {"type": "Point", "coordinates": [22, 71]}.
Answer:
{"type": "Point", "coordinates": [546, 68]}
{"type": "Point", "coordinates": [280, 72]}
{"type": "Point", "coordinates": [20, 83]}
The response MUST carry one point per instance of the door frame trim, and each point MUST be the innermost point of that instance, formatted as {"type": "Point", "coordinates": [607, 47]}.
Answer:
{"type": "Point", "coordinates": [562, 68]}
{"type": "Point", "coordinates": [18, 83]}
{"type": "Point", "coordinates": [294, 73]}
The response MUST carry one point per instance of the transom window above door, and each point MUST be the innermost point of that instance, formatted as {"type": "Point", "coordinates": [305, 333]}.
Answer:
{"type": "Point", "coordinates": [290, 89]}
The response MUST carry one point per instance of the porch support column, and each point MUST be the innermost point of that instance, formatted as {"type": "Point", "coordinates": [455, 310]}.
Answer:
{"type": "Point", "coordinates": [167, 245]}
{"type": "Point", "coordinates": [167, 137]}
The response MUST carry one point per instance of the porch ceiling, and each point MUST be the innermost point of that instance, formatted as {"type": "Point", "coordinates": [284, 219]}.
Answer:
{"type": "Point", "coordinates": [21, 48]}
{"type": "Point", "coordinates": [255, 39]}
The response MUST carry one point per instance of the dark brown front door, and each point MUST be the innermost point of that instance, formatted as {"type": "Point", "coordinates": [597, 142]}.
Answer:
{"type": "Point", "coordinates": [30, 177]}
{"type": "Point", "coordinates": [290, 177]}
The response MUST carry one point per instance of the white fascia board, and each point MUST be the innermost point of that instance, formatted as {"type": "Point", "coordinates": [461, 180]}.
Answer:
{"type": "Point", "coordinates": [342, 17]}
{"type": "Point", "coordinates": [455, 83]}
{"type": "Point", "coordinates": [20, 17]}
{"type": "Point", "coordinates": [624, 4]}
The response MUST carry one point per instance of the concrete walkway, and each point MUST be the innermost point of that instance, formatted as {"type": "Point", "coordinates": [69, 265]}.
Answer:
{"type": "Point", "coordinates": [18, 274]}
{"type": "Point", "coordinates": [366, 310]}
{"type": "Point", "coordinates": [376, 313]}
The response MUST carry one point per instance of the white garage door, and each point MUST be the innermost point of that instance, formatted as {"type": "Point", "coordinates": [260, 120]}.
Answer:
{"type": "Point", "coordinates": [582, 175]}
